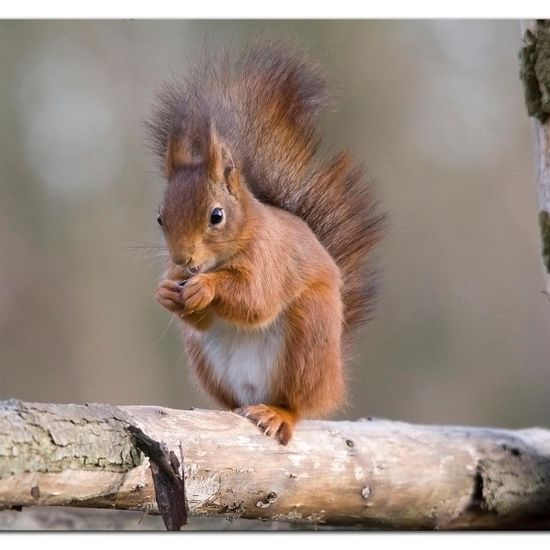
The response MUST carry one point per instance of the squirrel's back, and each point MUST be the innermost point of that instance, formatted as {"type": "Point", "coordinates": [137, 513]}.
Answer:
{"type": "Point", "coordinates": [264, 104]}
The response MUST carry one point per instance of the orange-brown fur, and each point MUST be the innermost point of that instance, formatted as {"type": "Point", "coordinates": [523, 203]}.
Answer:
{"type": "Point", "coordinates": [294, 239]}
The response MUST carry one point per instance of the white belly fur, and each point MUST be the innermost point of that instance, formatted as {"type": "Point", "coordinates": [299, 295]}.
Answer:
{"type": "Point", "coordinates": [243, 359]}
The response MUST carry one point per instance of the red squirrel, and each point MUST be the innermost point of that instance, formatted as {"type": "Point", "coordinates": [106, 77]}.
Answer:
{"type": "Point", "coordinates": [268, 245]}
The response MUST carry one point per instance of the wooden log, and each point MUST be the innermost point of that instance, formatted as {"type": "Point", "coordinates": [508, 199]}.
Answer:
{"type": "Point", "coordinates": [373, 472]}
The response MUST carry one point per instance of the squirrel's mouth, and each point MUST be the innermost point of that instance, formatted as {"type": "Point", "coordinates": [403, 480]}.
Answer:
{"type": "Point", "coordinates": [206, 265]}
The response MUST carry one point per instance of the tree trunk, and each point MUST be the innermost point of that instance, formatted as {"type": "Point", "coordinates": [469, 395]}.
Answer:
{"type": "Point", "coordinates": [376, 473]}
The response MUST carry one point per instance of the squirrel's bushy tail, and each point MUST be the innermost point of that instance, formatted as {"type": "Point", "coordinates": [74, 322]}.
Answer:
{"type": "Point", "coordinates": [264, 104]}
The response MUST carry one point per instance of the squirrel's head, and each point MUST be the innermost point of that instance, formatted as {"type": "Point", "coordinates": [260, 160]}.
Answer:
{"type": "Point", "coordinates": [202, 214]}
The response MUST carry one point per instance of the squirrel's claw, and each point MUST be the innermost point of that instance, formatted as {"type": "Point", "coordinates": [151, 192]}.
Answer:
{"type": "Point", "coordinates": [272, 420]}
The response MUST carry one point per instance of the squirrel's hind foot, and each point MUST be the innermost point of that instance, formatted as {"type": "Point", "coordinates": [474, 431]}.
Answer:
{"type": "Point", "coordinates": [274, 421]}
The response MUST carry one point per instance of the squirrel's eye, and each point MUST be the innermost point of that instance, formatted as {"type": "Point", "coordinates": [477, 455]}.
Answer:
{"type": "Point", "coordinates": [216, 216]}
{"type": "Point", "coordinates": [159, 220]}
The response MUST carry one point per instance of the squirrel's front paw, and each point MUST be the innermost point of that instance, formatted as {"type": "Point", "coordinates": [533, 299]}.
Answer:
{"type": "Point", "coordinates": [198, 292]}
{"type": "Point", "coordinates": [169, 296]}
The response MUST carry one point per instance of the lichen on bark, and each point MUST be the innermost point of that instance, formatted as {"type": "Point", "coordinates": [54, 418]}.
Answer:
{"type": "Point", "coordinates": [535, 70]}
{"type": "Point", "coordinates": [52, 438]}
{"type": "Point", "coordinates": [544, 221]}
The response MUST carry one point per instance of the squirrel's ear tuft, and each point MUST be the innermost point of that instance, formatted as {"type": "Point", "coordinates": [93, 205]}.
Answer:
{"type": "Point", "coordinates": [181, 151]}
{"type": "Point", "coordinates": [219, 162]}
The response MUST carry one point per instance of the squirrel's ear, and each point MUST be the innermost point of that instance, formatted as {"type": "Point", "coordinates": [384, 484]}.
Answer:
{"type": "Point", "coordinates": [219, 161]}
{"type": "Point", "coordinates": [181, 151]}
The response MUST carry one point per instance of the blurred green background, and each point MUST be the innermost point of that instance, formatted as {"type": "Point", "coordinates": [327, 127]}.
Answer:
{"type": "Point", "coordinates": [433, 108]}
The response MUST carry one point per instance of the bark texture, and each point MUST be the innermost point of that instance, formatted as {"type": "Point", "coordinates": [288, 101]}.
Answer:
{"type": "Point", "coordinates": [377, 473]}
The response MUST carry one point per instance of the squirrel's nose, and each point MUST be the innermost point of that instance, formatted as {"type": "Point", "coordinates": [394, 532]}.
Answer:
{"type": "Point", "coordinates": [181, 259]}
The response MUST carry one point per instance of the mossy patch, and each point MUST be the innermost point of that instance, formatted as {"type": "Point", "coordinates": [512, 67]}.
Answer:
{"type": "Point", "coordinates": [535, 70]}
{"type": "Point", "coordinates": [544, 220]}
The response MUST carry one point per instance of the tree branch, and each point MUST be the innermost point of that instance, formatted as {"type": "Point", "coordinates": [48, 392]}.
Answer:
{"type": "Point", "coordinates": [376, 473]}
{"type": "Point", "coordinates": [535, 75]}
